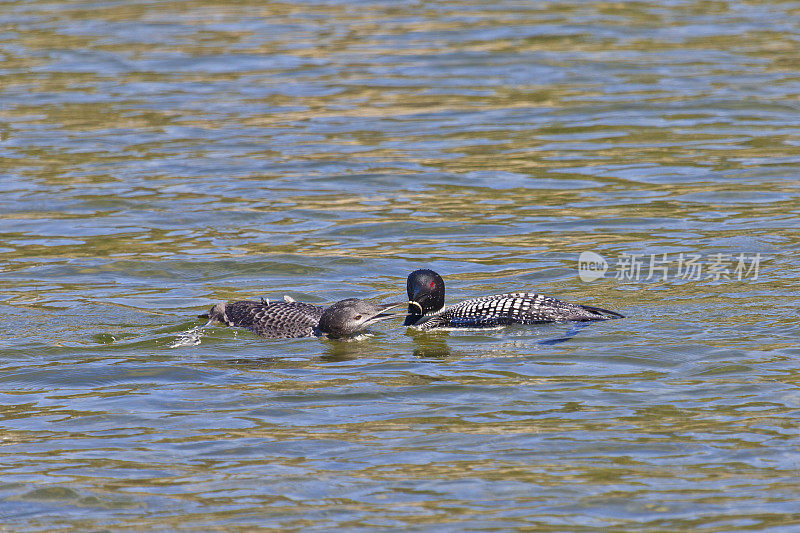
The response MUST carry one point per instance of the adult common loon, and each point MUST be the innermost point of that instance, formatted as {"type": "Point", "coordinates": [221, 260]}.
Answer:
{"type": "Point", "coordinates": [426, 307]}
{"type": "Point", "coordinates": [290, 319]}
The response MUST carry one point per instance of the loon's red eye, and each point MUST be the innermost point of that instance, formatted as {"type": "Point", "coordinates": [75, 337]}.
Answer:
{"type": "Point", "coordinates": [433, 284]}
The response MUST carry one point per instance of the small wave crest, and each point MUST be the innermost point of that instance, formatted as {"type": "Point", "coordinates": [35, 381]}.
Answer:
{"type": "Point", "coordinates": [188, 338]}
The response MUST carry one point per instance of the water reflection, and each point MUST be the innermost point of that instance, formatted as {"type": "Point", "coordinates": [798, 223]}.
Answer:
{"type": "Point", "coordinates": [430, 345]}
{"type": "Point", "coordinates": [348, 350]}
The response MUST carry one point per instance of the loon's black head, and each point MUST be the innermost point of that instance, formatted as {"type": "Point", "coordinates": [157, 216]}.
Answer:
{"type": "Point", "coordinates": [426, 288]}
{"type": "Point", "coordinates": [350, 317]}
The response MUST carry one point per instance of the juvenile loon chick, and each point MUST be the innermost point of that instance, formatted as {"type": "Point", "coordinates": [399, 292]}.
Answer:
{"type": "Point", "coordinates": [426, 307]}
{"type": "Point", "coordinates": [290, 319]}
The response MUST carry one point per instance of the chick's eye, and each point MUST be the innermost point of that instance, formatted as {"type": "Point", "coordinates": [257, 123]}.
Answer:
{"type": "Point", "coordinates": [358, 317]}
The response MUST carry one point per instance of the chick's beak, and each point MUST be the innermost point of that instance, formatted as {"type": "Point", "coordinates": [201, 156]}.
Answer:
{"type": "Point", "coordinates": [382, 314]}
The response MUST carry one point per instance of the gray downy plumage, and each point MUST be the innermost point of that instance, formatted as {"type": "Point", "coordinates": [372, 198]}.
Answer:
{"type": "Point", "coordinates": [291, 319]}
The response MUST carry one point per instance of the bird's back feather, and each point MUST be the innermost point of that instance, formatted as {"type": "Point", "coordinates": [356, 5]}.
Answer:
{"type": "Point", "coordinates": [513, 308]}
{"type": "Point", "coordinates": [270, 319]}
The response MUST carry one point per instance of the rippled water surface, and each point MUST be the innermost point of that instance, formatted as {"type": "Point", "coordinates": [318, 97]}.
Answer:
{"type": "Point", "coordinates": [157, 157]}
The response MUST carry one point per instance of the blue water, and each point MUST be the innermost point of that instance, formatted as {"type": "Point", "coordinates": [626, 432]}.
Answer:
{"type": "Point", "coordinates": [159, 157]}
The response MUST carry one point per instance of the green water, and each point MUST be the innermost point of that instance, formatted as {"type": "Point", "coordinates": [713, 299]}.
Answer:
{"type": "Point", "coordinates": [157, 157]}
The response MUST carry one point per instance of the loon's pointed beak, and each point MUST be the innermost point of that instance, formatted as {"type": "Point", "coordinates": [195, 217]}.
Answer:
{"type": "Point", "coordinates": [413, 302]}
{"type": "Point", "coordinates": [381, 314]}
{"type": "Point", "coordinates": [417, 290]}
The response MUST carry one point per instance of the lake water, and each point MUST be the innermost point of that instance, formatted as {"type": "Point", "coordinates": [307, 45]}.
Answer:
{"type": "Point", "coordinates": [160, 156]}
